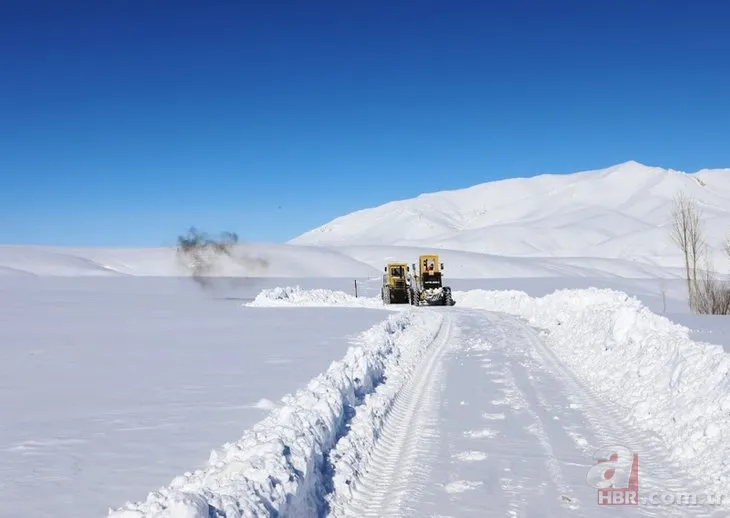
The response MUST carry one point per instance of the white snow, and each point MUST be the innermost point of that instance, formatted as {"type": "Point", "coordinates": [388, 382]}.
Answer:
{"type": "Point", "coordinates": [111, 387]}
{"type": "Point", "coordinates": [264, 404]}
{"type": "Point", "coordinates": [119, 376]}
{"type": "Point", "coordinates": [470, 456]}
{"type": "Point", "coordinates": [620, 212]}
{"type": "Point", "coordinates": [640, 363]}
{"type": "Point", "coordinates": [203, 372]}
{"type": "Point", "coordinates": [480, 434]}
{"type": "Point", "coordinates": [280, 466]}
{"type": "Point", "coordinates": [603, 223]}
{"type": "Point", "coordinates": [250, 260]}
{"type": "Point", "coordinates": [300, 262]}
{"type": "Point", "coordinates": [459, 486]}
{"type": "Point", "coordinates": [298, 297]}
{"type": "Point", "coordinates": [538, 455]}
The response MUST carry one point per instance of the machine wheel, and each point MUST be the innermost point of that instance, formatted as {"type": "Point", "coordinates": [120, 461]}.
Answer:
{"type": "Point", "coordinates": [386, 295]}
{"type": "Point", "coordinates": [448, 301]}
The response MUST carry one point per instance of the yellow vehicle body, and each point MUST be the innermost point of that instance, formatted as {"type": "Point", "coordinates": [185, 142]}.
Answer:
{"type": "Point", "coordinates": [395, 289]}
{"type": "Point", "coordinates": [429, 265]}
{"type": "Point", "coordinates": [427, 287]}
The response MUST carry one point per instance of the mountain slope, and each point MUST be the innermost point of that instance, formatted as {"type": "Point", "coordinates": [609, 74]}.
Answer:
{"type": "Point", "coordinates": [254, 260]}
{"type": "Point", "coordinates": [621, 211]}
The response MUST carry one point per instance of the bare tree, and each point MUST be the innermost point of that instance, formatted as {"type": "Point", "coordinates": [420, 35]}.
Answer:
{"type": "Point", "coordinates": [713, 297]}
{"type": "Point", "coordinates": [707, 294]}
{"type": "Point", "coordinates": [687, 234]}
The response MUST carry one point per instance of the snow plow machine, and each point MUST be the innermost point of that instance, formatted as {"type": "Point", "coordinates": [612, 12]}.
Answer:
{"type": "Point", "coordinates": [395, 289]}
{"type": "Point", "coordinates": [426, 287]}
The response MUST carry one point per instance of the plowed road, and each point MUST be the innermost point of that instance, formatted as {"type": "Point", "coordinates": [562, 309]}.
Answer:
{"type": "Point", "coordinates": [492, 424]}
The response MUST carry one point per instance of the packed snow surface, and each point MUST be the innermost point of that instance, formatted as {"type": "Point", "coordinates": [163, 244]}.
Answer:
{"type": "Point", "coordinates": [639, 362]}
{"type": "Point", "coordinates": [247, 260]}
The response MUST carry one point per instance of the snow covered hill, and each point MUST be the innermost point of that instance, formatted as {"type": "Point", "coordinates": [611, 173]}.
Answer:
{"type": "Point", "coordinates": [252, 260]}
{"type": "Point", "coordinates": [292, 261]}
{"type": "Point", "coordinates": [618, 212]}
{"type": "Point", "coordinates": [604, 223]}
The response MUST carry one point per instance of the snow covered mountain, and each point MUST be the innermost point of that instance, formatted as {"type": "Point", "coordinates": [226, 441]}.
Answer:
{"type": "Point", "coordinates": [604, 223]}
{"type": "Point", "coordinates": [618, 212]}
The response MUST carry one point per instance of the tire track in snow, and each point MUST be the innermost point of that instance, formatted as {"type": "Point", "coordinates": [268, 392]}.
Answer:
{"type": "Point", "coordinates": [520, 431]}
{"type": "Point", "coordinates": [657, 474]}
{"type": "Point", "coordinates": [282, 466]}
{"type": "Point", "coordinates": [520, 396]}
{"type": "Point", "coordinates": [399, 464]}
{"type": "Point", "coordinates": [497, 456]}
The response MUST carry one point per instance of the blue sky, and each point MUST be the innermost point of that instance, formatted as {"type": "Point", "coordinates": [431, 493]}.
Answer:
{"type": "Point", "coordinates": [125, 122]}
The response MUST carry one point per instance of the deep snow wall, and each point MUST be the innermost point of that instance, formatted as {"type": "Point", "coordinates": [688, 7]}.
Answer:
{"type": "Point", "coordinates": [280, 467]}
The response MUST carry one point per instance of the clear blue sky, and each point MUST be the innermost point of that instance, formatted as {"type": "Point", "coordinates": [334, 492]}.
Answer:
{"type": "Point", "coordinates": [123, 122]}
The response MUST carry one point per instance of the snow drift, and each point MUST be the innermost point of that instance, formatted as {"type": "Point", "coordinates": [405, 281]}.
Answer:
{"type": "Point", "coordinates": [281, 466]}
{"type": "Point", "coordinates": [640, 362]}
{"type": "Point", "coordinates": [297, 297]}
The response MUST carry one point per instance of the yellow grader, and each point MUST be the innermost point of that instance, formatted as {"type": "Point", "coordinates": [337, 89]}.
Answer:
{"type": "Point", "coordinates": [401, 285]}
{"type": "Point", "coordinates": [426, 286]}
{"type": "Point", "coordinates": [395, 288]}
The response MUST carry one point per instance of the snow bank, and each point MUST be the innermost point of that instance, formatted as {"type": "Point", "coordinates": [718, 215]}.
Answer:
{"type": "Point", "coordinates": [281, 467]}
{"type": "Point", "coordinates": [640, 362]}
{"type": "Point", "coordinates": [298, 297]}
{"type": "Point", "coordinates": [352, 455]}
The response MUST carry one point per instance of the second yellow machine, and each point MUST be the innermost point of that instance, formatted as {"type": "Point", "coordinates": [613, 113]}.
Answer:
{"type": "Point", "coordinates": [427, 284]}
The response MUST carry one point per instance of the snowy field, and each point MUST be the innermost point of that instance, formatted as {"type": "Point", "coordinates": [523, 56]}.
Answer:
{"type": "Point", "coordinates": [112, 387]}
{"type": "Point", "coordinates": [130, 392]}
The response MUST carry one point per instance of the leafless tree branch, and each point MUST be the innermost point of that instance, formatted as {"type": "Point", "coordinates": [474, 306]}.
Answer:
{"type": "Point", "coordinates": [707, 294]}
{"type": "Point", "coordinates": [686, 232]}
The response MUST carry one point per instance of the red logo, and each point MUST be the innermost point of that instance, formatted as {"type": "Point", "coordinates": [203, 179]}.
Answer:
{"type": "Point", "coordinates": [616, 476]}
